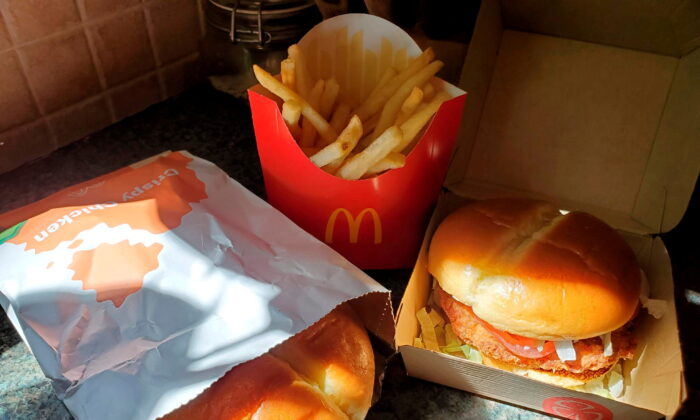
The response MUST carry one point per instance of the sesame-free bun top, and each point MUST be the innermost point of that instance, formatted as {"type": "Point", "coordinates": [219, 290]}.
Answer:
{"type": "Point", "coordinates": [527, 269]}
{"type": "Point", "coordinates": [324, 372]}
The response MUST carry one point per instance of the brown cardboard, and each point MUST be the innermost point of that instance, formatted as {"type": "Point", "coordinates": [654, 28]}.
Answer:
{"type": "Point", "coordinates": [668, 28]}
{"type": "Point", "coordinates": [594, 106]}
{"type": "Point", "coordinates": [655, 376]}
{"type": "Point", "coordinates": [608, 130]}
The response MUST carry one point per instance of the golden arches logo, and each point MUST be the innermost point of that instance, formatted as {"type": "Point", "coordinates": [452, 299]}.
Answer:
{"type": "Point", "coordinates": [354, 224]}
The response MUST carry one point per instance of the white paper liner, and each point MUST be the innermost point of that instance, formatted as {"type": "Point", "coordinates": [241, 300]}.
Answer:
{"type": "Point", "coordinates": [331, 54]}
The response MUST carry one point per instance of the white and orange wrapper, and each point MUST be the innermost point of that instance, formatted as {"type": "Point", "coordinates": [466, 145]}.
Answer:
{"type": "Point", "coordinates": [137, 290]}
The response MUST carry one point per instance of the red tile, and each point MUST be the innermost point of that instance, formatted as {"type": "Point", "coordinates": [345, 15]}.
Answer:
{"type": "Point", "coordinates": [80, 120]}
{"type": "Point", "coordinates": [180, 76]}
{"type": "Point", "coordinates": [5, 41]}
{"type": "Point", "coordinates": [123, 47]}
{"type": "Point", "coordinates": [23, 144]}
{"type": "Point", "coordinates": [34, 19]}
{"type": "Point", "coordinates": [61, 71]}
{"type": "Point", "coordinates": [16, 104]}
{"type": "Point", "coordinates": [134, 97]}
{"type": "Point", "coordinates": [99, 8]}
{"type": "Point", "coordinates": [175, 28]}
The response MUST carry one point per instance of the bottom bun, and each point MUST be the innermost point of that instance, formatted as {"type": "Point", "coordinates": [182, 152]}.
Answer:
{"type": "Point", "coordinates": [560, 378]}
{"type": "Point", "coordinates": [324, 372]}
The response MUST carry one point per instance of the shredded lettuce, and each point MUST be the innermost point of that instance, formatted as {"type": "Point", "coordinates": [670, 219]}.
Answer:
{"type": "Point", "coordinates": [453, 348]}
{"type": "Point", "coordinates": [611, 385]}
{"type": "Point", "coordinates": [468, 351]}
{"type": "Point", "coordinates": [615, 382]}
{"type": "Point", "coordinates": [418, 342]}
{"type": "Point", "coordinates": [596, 386]}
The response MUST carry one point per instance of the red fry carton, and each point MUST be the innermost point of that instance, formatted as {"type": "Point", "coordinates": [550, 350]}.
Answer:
{"type": "Point", "coordinates": [375, 222]}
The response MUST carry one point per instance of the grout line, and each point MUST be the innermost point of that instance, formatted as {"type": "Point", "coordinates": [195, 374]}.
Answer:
{"type": "Point", "coordinates": [78, 104]}
{"type": "Point", "coordinates": [7, 31]}
{"type": "Point", "coordinates": [85, 27]}
{"type": "Point", "coordinates": [151, 36]}
{"type": "Point", "coordinates": [202, 19]}
{"type": "Point", "coordinates": [154, 51]}
{"type": "Point", "coordinates": [23, 67]}
{"type": "Point", "coordinates": [177, 63]}
{"type": "Point", "coordinates": [189, 57]}
{"type": "Point", "coordinates": [84, 22]}
{"type": "Point", "coordinates": [120, 86]}
{"type": "Point", "coordinates": [96, 62]}
{"type": "Point", "coordinates": [93, 98]}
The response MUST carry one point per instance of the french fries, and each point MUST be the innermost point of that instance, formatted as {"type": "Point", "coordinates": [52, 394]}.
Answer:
{"type": "Point", "coordinates": [340, 116]}
{"type": "Point", "coordinates": [308, 132]}
{"type": "Point", "coordinates": [409, 105]}
{"type": "Point", "coordinates": [374, 102]}
{"type": "Point", "coordinates": [372, 123]}
{"type": "Point", "coordinates": [391, 161]}
{"type": "Point", "coordinates": [288, 72]}
{"type": "Point", "coordinates": [389, 74]}
{"type": "Point", "coordinates": [340, 148]}
{"type": "Point", "coordinates": [391, 97]}
{"type": "Point", "coordinates": [392, 107]}
{"type": "Point", "coordinates": [428, 90]}
{"type": "Point", "coordinates": [333, 167]}
{"type": "Point", "coordinates": [330, 93]}
{"type": "Point", "coordinates": [417, 121]}
{"type": "Point", "coordinates": [291, 112]}
{"type": "Point", "coordinates": [303, 80]}
{"type": "Point", "coordinates": [276, 87]}
{"type": "Point", "coordinates": [359, 164]}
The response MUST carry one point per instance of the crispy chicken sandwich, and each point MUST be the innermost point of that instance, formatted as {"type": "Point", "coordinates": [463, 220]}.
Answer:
{"type": "Point", "coordinates": [545, 294]}
{"type": "Point", "coordinates": [324, 372]}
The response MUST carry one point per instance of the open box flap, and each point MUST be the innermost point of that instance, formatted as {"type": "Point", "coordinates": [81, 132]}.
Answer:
{"type": "Point", "coordinates": [505, 386]}
{"type": "Point", "coordinates": [603, 129]}
{"type": "Point", "coordinates": [655, 376]}
{"type": "Point", "coordinates": [667, 27]}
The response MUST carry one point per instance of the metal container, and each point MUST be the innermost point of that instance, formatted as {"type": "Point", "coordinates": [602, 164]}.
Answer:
{"type": "Point", "coordinates": [241, 33]}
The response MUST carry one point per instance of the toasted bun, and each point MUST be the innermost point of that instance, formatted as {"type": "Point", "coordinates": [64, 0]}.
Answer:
{"type": "Point", "coordinates": [336, 356]}
{"type": "Point", "coordinates": [559, 378]}
{"type": "Point", "coordinates": [324, 372]}
{"type": "Point", "coordinates": [526, 269]}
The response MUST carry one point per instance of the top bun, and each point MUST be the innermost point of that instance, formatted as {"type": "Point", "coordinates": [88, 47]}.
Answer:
{"type": "Point", "coordinates": [324, 372]}
{"type": "Point", "coordinates": [527, 269]}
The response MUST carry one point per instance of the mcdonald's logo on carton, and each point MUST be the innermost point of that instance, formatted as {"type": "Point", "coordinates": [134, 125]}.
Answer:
{"type": "Point", "coordinates": [354, 224]}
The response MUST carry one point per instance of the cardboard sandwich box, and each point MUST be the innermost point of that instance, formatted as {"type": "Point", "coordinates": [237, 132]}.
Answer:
{"type": "Point", "coordinates": [594, 106]}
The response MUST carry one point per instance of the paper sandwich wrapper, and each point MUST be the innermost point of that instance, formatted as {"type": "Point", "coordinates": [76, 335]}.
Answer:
{"type": "Point", "coordinates": [135, 291]}
{"type": "Point", "coordinates": [376, 222]}
{"type": "Point", "coordinates": [594, 114]}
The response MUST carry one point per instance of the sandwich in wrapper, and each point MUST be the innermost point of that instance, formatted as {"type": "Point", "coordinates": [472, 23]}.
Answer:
{"type": "Point", "coordinates": [140, 290]}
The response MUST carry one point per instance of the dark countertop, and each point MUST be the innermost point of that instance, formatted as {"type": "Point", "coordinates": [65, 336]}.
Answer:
{"type": "Point", "coordinates": [217, 127]}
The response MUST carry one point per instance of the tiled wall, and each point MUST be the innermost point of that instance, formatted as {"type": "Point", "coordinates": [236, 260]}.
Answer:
{"type": "Point", "coordinates": [71, 67]}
